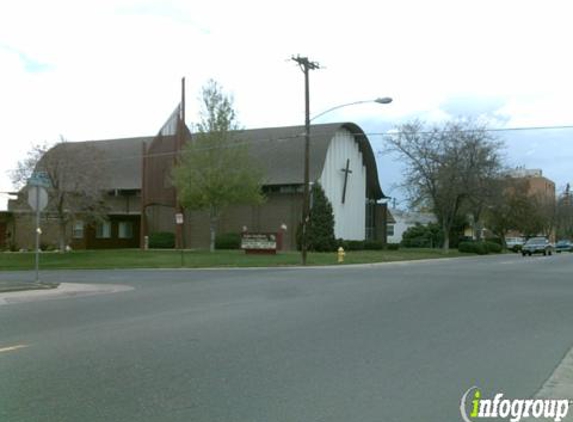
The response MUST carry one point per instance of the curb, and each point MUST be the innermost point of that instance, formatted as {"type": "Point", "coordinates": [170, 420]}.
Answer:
{"type": "Point", "coordinates": [62, 291]}
{"type": "Point", "coordinates": [26, 286]}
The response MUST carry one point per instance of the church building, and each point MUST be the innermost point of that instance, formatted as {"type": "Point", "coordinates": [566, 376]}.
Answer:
{"type": "Point", "coordinates": [341, 160]}
{"type": "Point", "coordinates": [141, 199]}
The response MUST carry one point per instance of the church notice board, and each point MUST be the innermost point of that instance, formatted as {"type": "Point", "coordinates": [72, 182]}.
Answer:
{"type": "Point", "coordinates": [259, 243]}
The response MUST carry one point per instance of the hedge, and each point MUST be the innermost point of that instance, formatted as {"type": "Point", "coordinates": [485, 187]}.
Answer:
{"type": "Point", "coordinates": [228, 241]}
{"type": "Point", "coordinates": [162, 240]}
{"type": "Point", "coordinates": [371, 245]}
{"type": "Point", "coordinates": [480, 248]}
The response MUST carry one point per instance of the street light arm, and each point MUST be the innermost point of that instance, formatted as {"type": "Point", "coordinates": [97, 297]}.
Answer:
{"type": "Point", "coordinates": [384, 100]}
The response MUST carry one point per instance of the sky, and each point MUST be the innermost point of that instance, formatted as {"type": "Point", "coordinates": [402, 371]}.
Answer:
{"type": "Point", "coordinates": [88, 70]}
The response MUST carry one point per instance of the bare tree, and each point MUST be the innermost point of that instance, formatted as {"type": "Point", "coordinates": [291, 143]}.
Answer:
{"type": "Point", "coordinates": [447, 167]}
{"type": "Point", "coordinates": [509, 207]}
{"type": "Point", "coordinates": [543, 216]}
{"type": "Point", "coordinates": [564, 214]}
{"type": "Point", "coordinates": [75, 178]}
{"type": "Point", "coordinates": [24, 169]}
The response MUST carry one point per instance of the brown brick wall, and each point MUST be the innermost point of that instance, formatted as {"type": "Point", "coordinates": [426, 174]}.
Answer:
{"type": "Point", "coordinates": [160, 219]}
{"type": "Point", "coordinates": [114, 242]}
{"type": "Point", "coordinates": [381, 222]}
{"type": "Point", "coordinates": [124, 204]}
{"type": "Point", "coordinates": [542, 187]}
{"type": "Point", "coordinates": [6, 230]}
{"type": "Point", "coordinates": [277, 210]}
{"type": "Point", "coordinates": [24, 231]}
{"type": "Point", "coordinates": [24, 225]}
{"type": "Point", "coordinates": [3, 230]}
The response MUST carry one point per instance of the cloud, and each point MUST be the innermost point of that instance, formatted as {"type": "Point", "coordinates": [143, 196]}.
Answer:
{"type": "Point", "coordinates": [167, 9]}
{"type": "Point", "coordinates": [29, 64]}
{"type": "Point", "coordinates": [477, 107]}
{"type": "Point", "coordinates": [111, 68]}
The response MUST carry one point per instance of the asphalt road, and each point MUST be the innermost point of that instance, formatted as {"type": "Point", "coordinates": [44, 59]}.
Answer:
{"type": "Point", "coordinates": [399, 342]}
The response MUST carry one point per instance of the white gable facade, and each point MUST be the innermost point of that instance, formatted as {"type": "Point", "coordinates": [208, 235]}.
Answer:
{"type": "Point", "coordinates": [404, 220]}
{"type": "Point", "coordinates": [350, 216]}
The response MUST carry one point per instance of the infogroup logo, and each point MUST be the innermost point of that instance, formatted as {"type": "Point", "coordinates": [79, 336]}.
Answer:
{"type": "Point", "coordinates": [474, 407]}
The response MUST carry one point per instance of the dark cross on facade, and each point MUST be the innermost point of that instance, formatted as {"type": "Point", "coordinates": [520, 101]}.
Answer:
{"type": "Point", "coordinates": [346, 171]}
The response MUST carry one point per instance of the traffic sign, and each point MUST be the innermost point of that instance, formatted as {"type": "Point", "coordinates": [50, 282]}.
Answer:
{"type": "Point", "coordinates": [40, 178]}
{"type": "Point", "coordinates": [37, 197]}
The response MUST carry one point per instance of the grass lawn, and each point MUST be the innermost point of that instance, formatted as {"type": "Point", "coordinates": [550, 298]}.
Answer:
{"type": "Point", "coordinates": [135, 258]}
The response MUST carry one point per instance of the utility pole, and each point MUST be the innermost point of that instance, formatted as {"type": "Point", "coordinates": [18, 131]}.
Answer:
{"type": "Point", "coordinates": [180, 140]}
{"type": "Point", "coordinates": [306, 65]}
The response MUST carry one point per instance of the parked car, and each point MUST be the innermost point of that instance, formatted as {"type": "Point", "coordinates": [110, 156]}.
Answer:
{"type": "Point", "coordinates": [514, 243]}
{"type": "Point", "coordinates": [564, 245]}
{"type": "Point", "coordinates": [537, 245]}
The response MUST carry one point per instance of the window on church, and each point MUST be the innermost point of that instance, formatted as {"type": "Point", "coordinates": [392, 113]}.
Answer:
{"type": "Point", "coordinates": [290, 189]}
{"type": "Point", "coordinates": [78, 230]}
{"type": "Point", "coordinates": [103, 230]}
{"type": "Point", "coordinates": [125, 230]}
{"type": "Point", "coordinates": [390, 229]}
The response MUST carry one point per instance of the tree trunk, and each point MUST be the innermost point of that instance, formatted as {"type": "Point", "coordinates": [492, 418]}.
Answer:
{"type": "Point", "coordinates": [212, 229]}
{"type": "Point", "coordinates": [62, 236]}
{"type": "Point", "coordinates": [61, 224]}
{"type": "Point", "coordinates": [478, 231]}
{"type": "Point", "coordinates": [446, 231]}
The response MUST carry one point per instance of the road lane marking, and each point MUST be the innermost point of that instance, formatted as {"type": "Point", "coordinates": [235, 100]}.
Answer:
{"type": "Point", "coordinates": [12, 348]}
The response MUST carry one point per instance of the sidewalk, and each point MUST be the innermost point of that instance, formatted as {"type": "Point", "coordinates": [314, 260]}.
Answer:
{"type": "Point", "coordinates": [31, 292]}
{"type": "Point", "coordinates": [17, 286]}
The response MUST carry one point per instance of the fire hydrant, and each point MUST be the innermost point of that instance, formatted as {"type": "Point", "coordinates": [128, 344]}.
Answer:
{"type": "Point", "coordinates": [341, 254]}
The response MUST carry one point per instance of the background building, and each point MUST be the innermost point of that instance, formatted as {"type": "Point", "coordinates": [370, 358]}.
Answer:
{"type": "Point", "coordinates": [539, 186]}
{"type": "Point", "coordinates": [403, 220]}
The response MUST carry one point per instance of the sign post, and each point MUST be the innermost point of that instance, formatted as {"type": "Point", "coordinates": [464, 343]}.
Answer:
{"type": "Point", "coordinates": [179, 220]}
{"type": "Point", "coordinates": [38, 200]}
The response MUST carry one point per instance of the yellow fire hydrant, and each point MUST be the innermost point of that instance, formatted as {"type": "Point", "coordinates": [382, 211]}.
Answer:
{"type": "Point", "coordinates": [341, 254]}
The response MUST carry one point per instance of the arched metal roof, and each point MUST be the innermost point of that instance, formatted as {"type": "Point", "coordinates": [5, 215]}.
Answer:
{"type": "Point", "coordinates": [280, 152]}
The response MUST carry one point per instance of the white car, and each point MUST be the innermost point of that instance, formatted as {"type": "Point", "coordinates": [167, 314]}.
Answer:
{"type": "Point", "coordinates": [513, 243]}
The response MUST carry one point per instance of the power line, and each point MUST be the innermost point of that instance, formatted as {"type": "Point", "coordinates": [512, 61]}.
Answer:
{"type": "Point", "coordinates": [236, 144]}
{"type": "Point", "coordinates": [485, 129]}
{"type": "Point", "coordinates": [524, 128]}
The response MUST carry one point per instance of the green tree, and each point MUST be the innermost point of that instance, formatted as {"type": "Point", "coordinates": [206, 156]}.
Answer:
{"type": "Point", "coordinates": [320, 235]}
{"type": "Point", "coordinates": [215, 169]}
{"type": "Point", "coordinates": [423, 236]}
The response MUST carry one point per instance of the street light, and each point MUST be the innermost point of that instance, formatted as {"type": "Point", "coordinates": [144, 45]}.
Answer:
{"type": "Point", "coordinates": [306, 200]}
{"type": "Point", "coordinates": [380, 100]}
